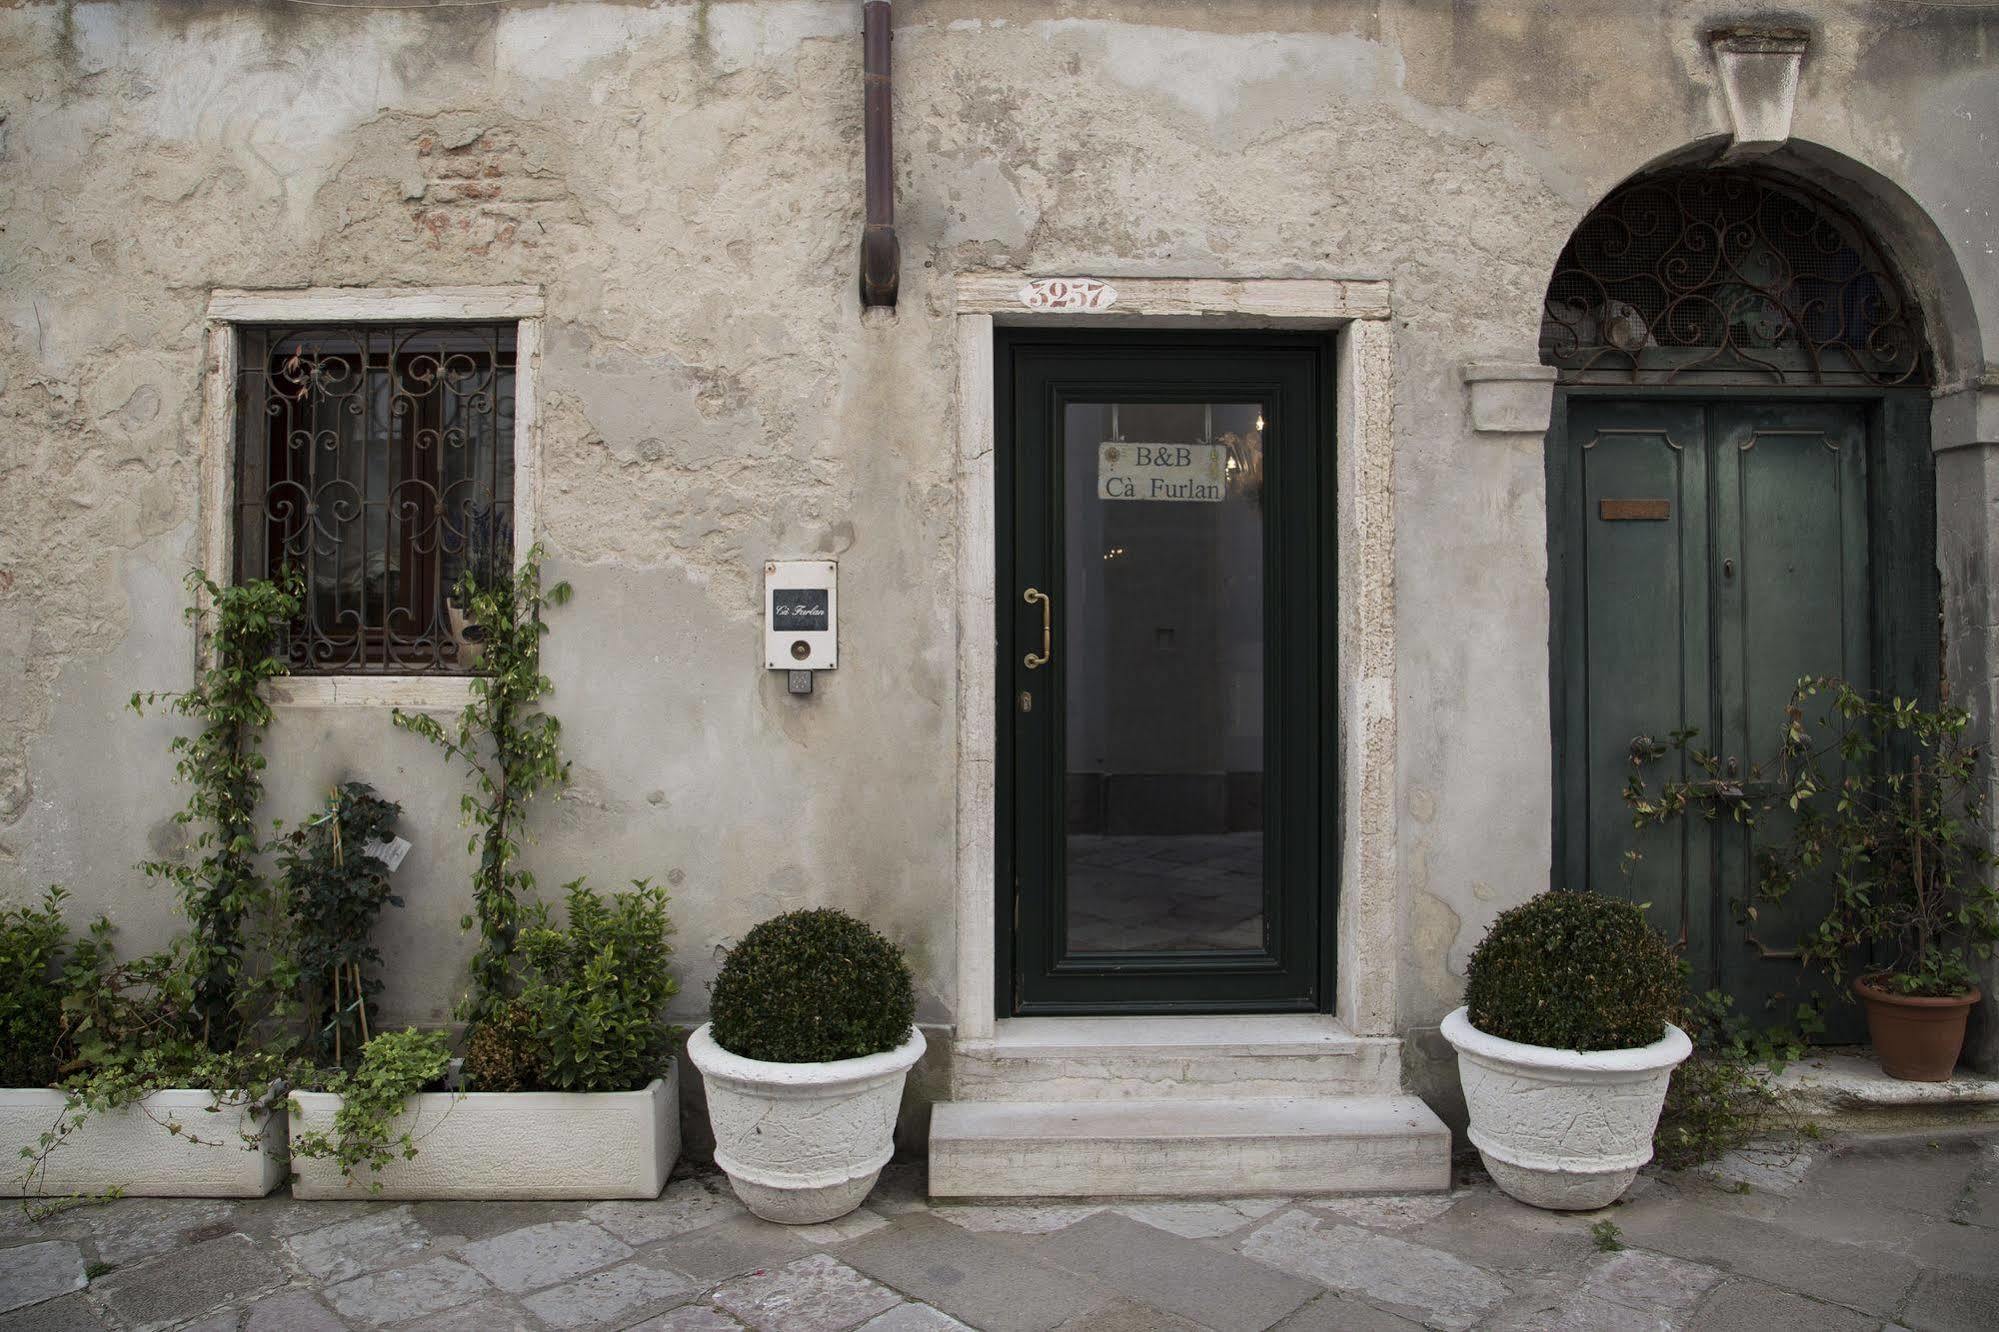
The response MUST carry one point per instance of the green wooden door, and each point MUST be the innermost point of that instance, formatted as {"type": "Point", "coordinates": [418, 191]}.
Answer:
{"type": "Point", "coordinates": [1165, 589]}
{"type": "Point", "coordinates": [1705, 555]}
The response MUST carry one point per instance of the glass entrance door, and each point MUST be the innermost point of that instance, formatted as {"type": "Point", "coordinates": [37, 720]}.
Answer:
{"type": "Point", "coordinates": [1165, 632]}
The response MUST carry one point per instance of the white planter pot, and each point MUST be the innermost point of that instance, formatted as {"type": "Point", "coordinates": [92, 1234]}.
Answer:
{"type": "Point", "coordinates": [132, 1149]}
{"type": "Point", "coordinates": [1560, 1128]}
{"type": "Point", "coordinates": [802, 1143]}
{"type": "Point", "coordinates": [499, 1145]}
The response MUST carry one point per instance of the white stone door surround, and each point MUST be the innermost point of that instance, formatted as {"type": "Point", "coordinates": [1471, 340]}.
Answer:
{"type": "Point", "coordinates": [1358, 310]}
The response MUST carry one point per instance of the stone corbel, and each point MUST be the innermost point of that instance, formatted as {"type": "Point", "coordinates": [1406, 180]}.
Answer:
{"type": "Point", "coordinates": [1510, 399]}
{"type": "Point", "coordinates": [1759, 80]}
{"type": "Point", "coordinates": [1968, 416]}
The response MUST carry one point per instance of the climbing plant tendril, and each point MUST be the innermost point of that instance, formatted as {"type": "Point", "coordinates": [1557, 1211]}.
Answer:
{"type": "Point", "coordinates": [221, 765]}
{"type": "Point", "coordinates": [511, 750]}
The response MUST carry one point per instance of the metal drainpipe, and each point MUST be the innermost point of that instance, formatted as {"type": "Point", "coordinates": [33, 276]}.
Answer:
{"type": "Point", "coordinates": [881, 254]}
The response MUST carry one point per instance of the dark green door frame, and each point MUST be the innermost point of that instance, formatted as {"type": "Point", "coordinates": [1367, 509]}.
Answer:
{"type": "Point", "coordinates": [1037, 373]}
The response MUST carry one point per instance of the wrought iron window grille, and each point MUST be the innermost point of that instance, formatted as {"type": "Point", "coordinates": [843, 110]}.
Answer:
{"type": "Point", "coordinates": [377, 462]}
{"type": "Point", "coordinates": [1719, 276]}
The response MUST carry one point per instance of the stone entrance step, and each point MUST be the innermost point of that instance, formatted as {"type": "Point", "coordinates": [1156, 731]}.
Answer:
{"type": "Point", "coordinates": [1155, 1147]}
{"type": "Point", "coordinates": [1845, 1090]}
{"type": "Point", "coordinates": [1192, 1058]}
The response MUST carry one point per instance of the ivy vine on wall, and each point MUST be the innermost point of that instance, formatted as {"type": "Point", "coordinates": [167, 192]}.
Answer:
{"type": "Point", "coordinates": [511, 750]}
{"type": "Point", "coordinates": [221, 765]}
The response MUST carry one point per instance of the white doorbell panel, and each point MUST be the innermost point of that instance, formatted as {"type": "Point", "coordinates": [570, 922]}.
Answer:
{"type": "Point", "coordinates": [801, 615]}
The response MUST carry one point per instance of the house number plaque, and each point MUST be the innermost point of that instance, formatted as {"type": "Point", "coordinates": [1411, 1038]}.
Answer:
{"type": "Point", "coordinates": [1080, 294]}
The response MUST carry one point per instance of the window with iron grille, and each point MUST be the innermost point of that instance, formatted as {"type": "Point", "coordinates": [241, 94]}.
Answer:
{"type": "Point", "coordinates": [1721, 276]}
{"type": "Point", "coordinates": [376, 463]}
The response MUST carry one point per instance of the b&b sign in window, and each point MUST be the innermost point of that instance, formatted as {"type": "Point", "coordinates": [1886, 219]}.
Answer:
{"type": "Point", "coordinates": [1174, 472]}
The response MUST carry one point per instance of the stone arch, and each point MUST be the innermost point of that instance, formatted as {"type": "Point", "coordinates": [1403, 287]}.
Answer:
{"type": "Point", "coordinates": [1901, 228]}
{"type": "Point", "coordinates": [1726, 275]}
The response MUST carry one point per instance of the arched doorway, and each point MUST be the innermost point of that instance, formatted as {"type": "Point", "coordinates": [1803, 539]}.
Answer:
{"type": "Point", "coordinates": [1740, 492]}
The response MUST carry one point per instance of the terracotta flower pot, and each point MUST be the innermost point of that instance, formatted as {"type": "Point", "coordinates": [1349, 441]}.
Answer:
{"type": "Point", "coordinates": [1916, 1038]}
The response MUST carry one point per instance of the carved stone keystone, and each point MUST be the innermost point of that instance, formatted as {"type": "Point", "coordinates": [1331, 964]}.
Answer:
{"type": "Point", "coordinates": [1759, 79]}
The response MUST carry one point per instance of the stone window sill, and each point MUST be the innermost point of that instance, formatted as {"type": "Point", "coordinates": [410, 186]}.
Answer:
{"type": "Point", "coordinates": [415, 693]}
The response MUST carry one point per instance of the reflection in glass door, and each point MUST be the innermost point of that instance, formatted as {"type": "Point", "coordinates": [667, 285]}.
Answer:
{"type": "Point", "coordinates": [1165, 792]}
{"type": "Point", "coordinates": [1164, 611]}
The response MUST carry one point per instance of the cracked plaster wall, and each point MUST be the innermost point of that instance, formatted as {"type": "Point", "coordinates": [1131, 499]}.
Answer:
{"type": "Point", "coordinates": [684, 181]}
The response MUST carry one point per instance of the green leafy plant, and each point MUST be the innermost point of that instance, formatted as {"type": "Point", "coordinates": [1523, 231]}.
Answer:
{"type": "Point", "coordinates": [131, 1028]}
{"type": "Point", "coordinates": [113, 1011]}
{"type": "Point", "coordinates": [221, 765]}
{"type": "Point", "coordinates": [1606, 1237]}
{"type": "Point", "coordinates": [332, 890]}
{"type": "Point", "coordinates": [810, 987]}
{"type": "Point", "coordinates": [1721, 1098]}
{"type": "Point", "coordinates": [394, 1066]}
{"type": "Point", "coordinates": [1897, 838]}
{"type": "Point", "coordinates": [34, 942]}
{"type": "Point", "coordinates": [511, 750]}
{"type": "Point", "coordinates": [1573, 971]}
{"type": "Point", "coordinates": [596, 990]}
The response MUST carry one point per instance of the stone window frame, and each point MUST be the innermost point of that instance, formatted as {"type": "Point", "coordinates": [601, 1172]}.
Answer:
{"type": "Point", "coordinates": [1358, 312]}
{"type": "Point", "coordinates": [524, 306]}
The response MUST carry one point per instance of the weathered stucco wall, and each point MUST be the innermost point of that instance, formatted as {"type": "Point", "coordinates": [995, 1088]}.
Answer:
{"type": "Point", "coordinates": [684, 181]}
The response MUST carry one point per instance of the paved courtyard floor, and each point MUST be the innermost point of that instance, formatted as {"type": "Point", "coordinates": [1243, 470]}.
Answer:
{"type": "Point", "coordinates": [1850, 1234]}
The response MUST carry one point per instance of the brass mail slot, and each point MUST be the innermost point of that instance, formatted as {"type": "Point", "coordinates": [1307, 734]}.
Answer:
{"type": "Point", "coordinates": [1634, 510]}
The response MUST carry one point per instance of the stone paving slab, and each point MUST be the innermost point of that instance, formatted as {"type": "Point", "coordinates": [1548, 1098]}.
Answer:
{"type": "Point", "coordinates": [71, 1313]}
{"type": "Point", "coordinates": [406, 1293]}
{"type": "Point", "coordinates": [613, 1297]}
{"type": "Point", "coordinates": [361, 1244]}
{"type": "Point", "coordinates": [1947, 1303]}
{"type": "Point", "coordinates": [1928, 1175]}
{"type": "Point", "coordinates": [979, 1279]}
{"type": "Point", "coordinates": [1208, 1286]}
{"type": "Point", "coordinates": [730, 1248]}
{"type": "Point", "coordinates": [31, 1273]}
{"type": "Point", "coordinates": [534, 1256]}
{"type": "Point", "coordinates": [1871, 1280]}
{"type": "Point", "coordinates": [188, 1283]}
{"type": "Point", "coordinates": [1844, 1235]}
{"type": "Point", "coordinates": [1330, 1313]}
{"type": "Point", "coordinates": [1742, 1305]}
{"type": "Point", "coordinates": [815, 1294]}
{"type": "Point", "coordinates": [1397, 1274]}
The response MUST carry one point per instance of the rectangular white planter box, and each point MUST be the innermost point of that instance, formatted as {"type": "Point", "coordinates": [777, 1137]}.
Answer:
{"type": "Point", "coordinates": [131, 1149]}
{"type": "Point", "coordinates": [499, 1145]}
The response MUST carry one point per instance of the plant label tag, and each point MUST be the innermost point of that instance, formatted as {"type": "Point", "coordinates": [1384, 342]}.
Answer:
{"type": "Point", "coordinates": [390, 853]}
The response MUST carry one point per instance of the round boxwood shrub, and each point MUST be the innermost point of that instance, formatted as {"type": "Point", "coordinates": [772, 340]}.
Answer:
{"type": "Point", "coordinates": [809, 987]}
{"type": "Point", "coordinates": [1574, 971]}
{"type": "Point", "coordinates": [504, 1053]}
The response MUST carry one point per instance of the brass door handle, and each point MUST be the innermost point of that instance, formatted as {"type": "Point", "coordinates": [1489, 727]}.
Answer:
{"type": "Point", "coordinates": [1032, 596]}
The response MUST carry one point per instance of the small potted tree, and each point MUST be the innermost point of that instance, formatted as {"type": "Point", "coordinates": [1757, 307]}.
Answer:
{"type": "Point", "coordinates": [1887, 823]}
{"type": "Point", "coordinates": [810, 1040]}
{"type": "Point", "coordinates": [1902, 834]}
{"type": "Point", "coordinates": [1565, 1047]}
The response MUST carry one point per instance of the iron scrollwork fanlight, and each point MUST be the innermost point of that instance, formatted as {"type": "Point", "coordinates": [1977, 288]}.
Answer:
{"type": "Point", "coordinates": [1710, 276]}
